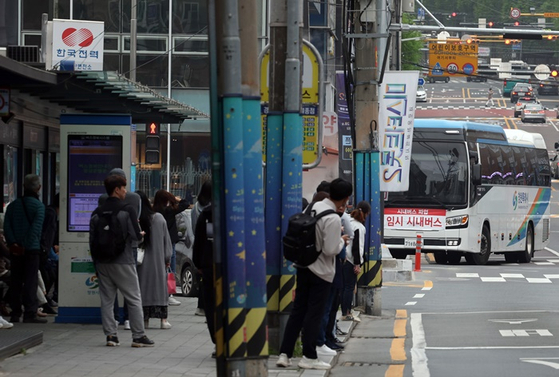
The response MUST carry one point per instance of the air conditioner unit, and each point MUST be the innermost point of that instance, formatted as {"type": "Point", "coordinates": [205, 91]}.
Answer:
{"type": "Point", "coordinates": [24, 54]}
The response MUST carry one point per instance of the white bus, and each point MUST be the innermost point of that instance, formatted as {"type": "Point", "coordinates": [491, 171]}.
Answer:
{"type": "Point", "coordinates": [474, 189]}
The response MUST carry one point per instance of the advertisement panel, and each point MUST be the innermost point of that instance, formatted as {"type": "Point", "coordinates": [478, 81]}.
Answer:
{"type": "Point", "coordinates": [452, 59]}
{"type": "Point", "coordinates": [396, 114]}
{"type": "Point", "coordinates": [77, 45]}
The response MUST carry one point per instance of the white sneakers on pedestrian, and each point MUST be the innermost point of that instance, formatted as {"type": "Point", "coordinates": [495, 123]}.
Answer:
{"type": "Point", "coordinates": [127, 325]}
{"type": "Point", "coordinates": [173, 301]}
{"type": "Point", "coordinates": [313, 364]}
{"type": "Point", "coordinates": [5, 324]}
{"type": "Point", "coordinates": [324, 350]}
{"type": "Point", "coordinates": [165, 324]}
{"type": "Point", "coordinates": [283, 361]}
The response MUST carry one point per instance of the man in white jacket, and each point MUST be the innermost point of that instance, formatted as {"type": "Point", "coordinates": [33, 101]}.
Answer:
{"type": "Point", "coordinates": [313, 282]}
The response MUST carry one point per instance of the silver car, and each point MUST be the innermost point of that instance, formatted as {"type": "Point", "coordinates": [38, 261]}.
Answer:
{"type": "Point", "coordinates": [533, 112]}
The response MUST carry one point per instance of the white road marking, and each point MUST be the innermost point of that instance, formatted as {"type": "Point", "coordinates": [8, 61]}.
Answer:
{"type": "Point", "coordinates": [525, 332]}
{"type": "Point", "coordinates": [490, 348]}
{"type": "Point", "coordinates": [538, 280]}
{"type": "Point", "coordinates": [552, 251]}
{"type": "Point", "coordinates": [419, 295]}
{"type": "Point", "coordinates": [467, 275]}
{"type": "Point", "coordinates": [409, 303]}
{"type": "Point", "coordinates": [419, 359]}
{"type": "Point", "coordinates": [426, 288]}
{"type": "Point", "coordinates": [552, 276]}
{"type": "Point", "coordinates": [544, 263]}
{"type": "Point", "coordinates": [514, 321]}
{"type": "Point", "coordinates": [519, 276]}
{"type": "Point", "coordinates": [493, 280]}
{"type": "Point", "coordinates": [542, 361]}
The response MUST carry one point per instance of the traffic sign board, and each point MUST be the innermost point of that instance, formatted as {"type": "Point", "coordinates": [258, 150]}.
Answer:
{"type": "Point", "coordinates": [449, 59]}
{"type": "Point", "coordinates": [551, 15]}
{"type": "Point", "coordinates": [421, 81]}
{"type": "Point", "coordinates": [515, 13]}
{"type": "Point", "coordinates": [542, 72]}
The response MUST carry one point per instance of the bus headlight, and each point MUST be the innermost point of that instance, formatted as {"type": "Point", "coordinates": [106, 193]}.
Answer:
{"type": "Point", "coordinates": [457, 221]}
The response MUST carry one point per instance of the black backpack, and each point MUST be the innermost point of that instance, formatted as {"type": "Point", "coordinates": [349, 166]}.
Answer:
{"type": "Point", "coordinates": [109, 238]}
{"type": "Point", "coordinates": [299, 242]}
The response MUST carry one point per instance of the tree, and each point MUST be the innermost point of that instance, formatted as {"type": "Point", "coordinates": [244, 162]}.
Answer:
{"type": "Point", "coordinates": [411, 47]}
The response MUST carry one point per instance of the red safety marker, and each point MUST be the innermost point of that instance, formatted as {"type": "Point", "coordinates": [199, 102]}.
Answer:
{"type": "Point", "coordinates": [418, 253]}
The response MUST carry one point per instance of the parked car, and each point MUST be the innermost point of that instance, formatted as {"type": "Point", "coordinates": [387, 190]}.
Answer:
{"type": "Point", "coordinates": [533, 112]}
{"type": "Point", "coordinates": [432, 79]}
{"type": "Point", "coordinates": [521, 90]}
{"type": "Point", "coordinates": [421, 95]}
{"type": "Point", "coordinates": [187, 274]}
{"type": "Point", "coordinates": [548, 86]}
{"type": "Point", "coordinates": [519, 105]}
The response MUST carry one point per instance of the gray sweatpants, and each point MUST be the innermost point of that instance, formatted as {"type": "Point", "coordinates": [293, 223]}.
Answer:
{"type": "Point", "coordinates": [113, 276]}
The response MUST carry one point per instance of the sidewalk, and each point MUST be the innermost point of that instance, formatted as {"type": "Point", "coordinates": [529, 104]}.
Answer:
{"type": "Point", "coordinates": [76, 350]}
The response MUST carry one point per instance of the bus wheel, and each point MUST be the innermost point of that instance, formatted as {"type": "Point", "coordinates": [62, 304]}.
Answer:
{"type": "Point", "coordinates": [511, 257]}
{"type": "Point", "coordinates": [484, 249]}
{"type": "Point", "coordinates": [453, 258]}
{"type": "Point", "coordinates": [469, 258]}
{"type": "Point", "coordinates": [526, 255]}
{"type": "Point", "coordinates": [440, 257]}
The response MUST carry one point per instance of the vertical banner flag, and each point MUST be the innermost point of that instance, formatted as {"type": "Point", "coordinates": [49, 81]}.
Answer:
{"type": "Point", "coordinates": [396, 115]}
{"type": "Point", "coordinates": [345, 144]}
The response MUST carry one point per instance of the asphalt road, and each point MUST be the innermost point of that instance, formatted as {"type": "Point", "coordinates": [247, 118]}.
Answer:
{"type": "Point", "coordinates": [460, 100]}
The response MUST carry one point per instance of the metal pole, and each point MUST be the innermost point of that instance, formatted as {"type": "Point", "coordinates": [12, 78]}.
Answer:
{"type": "Point", "coordinates": [234, 248]}
{"type": "Point", "coordinates": [277, 317]}
{"type": "Point", "coordinates": [133, 38]}
{"type": "Point", "coordinates": [367, 72]}
{"type": "Point", "coordinates": [255, 239]}
{"type": "Point", "coordinates": [170, 57]}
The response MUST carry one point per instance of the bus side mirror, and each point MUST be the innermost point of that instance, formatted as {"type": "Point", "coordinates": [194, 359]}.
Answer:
{"type": "Point", "coordinates": [476, 174]}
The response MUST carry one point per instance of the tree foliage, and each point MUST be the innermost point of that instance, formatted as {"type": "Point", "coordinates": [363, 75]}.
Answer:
{"type": "Point", "coordinates": [411, 49]}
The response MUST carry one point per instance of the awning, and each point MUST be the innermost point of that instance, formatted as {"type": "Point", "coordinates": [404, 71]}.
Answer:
{"type": "Point", "coordinates": [95, 92]}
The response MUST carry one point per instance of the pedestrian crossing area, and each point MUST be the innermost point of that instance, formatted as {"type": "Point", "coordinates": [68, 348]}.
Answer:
{"type": "Point", "coordinates": [510, 277]}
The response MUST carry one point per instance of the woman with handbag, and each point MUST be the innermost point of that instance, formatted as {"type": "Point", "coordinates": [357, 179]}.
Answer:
{"type": "Point", "coordinates": [169, 206]}
{"type": "Point", "coordinates": [152, 273]}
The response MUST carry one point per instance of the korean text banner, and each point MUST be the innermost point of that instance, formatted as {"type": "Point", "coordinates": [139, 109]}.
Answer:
{"type": "Point", "coordinates": [77, 45]}
{"type": "Point", "coordinates": [396, 115]}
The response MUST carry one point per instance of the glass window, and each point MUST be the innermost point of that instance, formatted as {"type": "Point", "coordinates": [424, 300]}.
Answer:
{"type": "Point", "coordinates": [438, 173]}
{"type": "Point", "coordinates": [10, 175]}
{"type": "Point", "coordinates": [111, 62]}
{"type": "Point", "coordinates": [508, 163]}
{"type": "Point", "coordinates": [190, 17]}
{"type": "Point", "coordinates": [111, 44]}
{"type": "Point", "coordinates": [147, 44]}
{"type": "Point", "coordinates": [544, 171]}
{"type": "Point", "coordinates": [32, 13]}
{"type": "Point", "coordinates": [108, 11]}
{"type": "Point", "coordinates": [532, 178]}
{"type": "Point", "coordinates": [491, 162]}
{"type": "Point", "coordinates": [151, 70]}
{"type": "Point", "coordinates": [519, 166]}
{"type": "Point", "coordinates": [153, 16]}
{"type": "Point", "coordinates": [32, 40]}
{"type": "Point", "coordinates": [190, 71]}
{"type": "Point", "coordinates": [190, 44]}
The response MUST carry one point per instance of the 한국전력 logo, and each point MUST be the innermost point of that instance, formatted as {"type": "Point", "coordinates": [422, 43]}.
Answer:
{"type": "Point", "coordinates": [81, 37]}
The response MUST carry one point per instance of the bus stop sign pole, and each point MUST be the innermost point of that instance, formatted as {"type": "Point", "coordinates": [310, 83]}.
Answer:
{"type": "Point", "coordinates": [418, 253]}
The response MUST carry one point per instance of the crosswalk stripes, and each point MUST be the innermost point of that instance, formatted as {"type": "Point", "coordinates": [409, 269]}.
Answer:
{"type": "Point", "coordinates": [507, 277]}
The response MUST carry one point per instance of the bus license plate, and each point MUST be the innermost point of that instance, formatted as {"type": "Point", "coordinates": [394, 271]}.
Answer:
{"type": "Point", "coordinates": [411, 242]}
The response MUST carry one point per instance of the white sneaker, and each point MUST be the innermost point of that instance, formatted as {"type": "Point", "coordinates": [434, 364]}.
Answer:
{"type": "Point", "coordinates": [283, 361]}
{"type": "Point", "coordinates": [173, 301]}
{"type": "Point", "coordinates": [324, 350]}
{"type": "Point", "coordinates": [5, 324]}
{"type": "Point", "coordinates": [313, 364]}
{"type": "Point", "coordinates": [165, 325]}
{"type": "Point", "coordinates": [127, 325]}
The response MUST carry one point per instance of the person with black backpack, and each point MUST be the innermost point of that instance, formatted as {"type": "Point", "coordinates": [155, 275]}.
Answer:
{"type": "Point", "coordinates": [113, 229]}
{"type": "Point", "coordinates": [314, 280]}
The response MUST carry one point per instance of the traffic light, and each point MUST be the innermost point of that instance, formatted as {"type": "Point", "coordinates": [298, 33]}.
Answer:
{"type": "Point", "coordinates": [453, 14]}
{"type": "Point", "coordinates": [152, 143]}
{"type": "Point", "coordinates": [490, 24]}
{"type": "Point", "coordinates": [554, 73]}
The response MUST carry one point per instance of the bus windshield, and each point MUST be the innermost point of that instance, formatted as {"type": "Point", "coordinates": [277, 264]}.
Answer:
{"type": "Point", "coordinates": [438, 175]}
